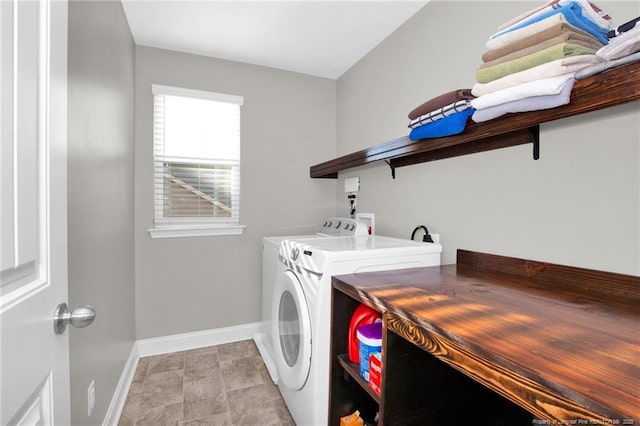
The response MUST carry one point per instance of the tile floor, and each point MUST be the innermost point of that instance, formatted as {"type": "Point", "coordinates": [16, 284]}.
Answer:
{"type": "Point", "coordinates": [217, 385]}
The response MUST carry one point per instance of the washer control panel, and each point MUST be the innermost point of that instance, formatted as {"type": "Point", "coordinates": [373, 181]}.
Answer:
{"type": "Point", "coordinates": [343, 227]}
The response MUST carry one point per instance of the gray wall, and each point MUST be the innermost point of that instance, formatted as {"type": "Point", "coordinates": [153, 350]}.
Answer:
{"type": "Point", "coordinates": [288, 123]}
{"type": "Point", "coordinates": [100, 199]}
{"type": "Point", "coordinates": [577, 205]}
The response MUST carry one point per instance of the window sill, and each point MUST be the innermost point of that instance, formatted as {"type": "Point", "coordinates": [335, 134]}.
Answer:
{"type": "Point", "coordinates": [195, 231]}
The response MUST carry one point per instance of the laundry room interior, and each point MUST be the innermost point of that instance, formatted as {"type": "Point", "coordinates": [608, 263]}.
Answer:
{"type": "Point", "coordinates": [520, 212]}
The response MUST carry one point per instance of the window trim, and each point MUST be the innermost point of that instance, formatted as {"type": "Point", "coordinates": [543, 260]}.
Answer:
{"type": "Point", "coordinates": [159, 89]}
{"type": "Point", "coordinates": [195, 231]}
{"type": "Point", "coordinates": [191, 228]}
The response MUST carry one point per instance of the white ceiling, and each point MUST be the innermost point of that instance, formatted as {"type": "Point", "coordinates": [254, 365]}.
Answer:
{"type": "Point", "coordinates": [321, 38]}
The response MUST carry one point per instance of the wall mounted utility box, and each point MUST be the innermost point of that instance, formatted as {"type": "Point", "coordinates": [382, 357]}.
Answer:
{"type": "Point", "coordinates": [352, 184]}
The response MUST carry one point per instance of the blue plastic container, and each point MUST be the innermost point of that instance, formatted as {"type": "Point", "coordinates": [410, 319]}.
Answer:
{"type": "Point", "coordinates": [369, 340]}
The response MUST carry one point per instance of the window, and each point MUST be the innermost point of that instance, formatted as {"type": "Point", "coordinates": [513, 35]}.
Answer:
{"type": "Point", "coordinates": [196, 154]}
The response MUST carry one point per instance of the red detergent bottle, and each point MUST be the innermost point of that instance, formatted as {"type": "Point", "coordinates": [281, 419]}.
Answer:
{"type": "Point", "coordinates": [361, 316]}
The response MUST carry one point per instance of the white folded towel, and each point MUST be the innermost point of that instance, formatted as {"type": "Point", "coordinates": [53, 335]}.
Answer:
{"type": "Point", "coordinates": [600, 17]}
{"type": "Point", "coordinates": [545, 86]}
{"type": "Point", "coordinates": [603, 66]}
{"type": "Point", "coordinates": [534, 103]}
{"type": "Point", "coordinates": [549, 69]}
{"type": "Point", "coordinates": [625, 44]}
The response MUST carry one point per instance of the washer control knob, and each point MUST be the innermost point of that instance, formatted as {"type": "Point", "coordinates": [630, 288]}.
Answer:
{"type": "Point", "coordinates": [295, 252]}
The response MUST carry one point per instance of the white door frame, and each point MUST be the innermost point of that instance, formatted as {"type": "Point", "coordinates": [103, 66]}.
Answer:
{"type": "Point", "coordinates": [58, 199]}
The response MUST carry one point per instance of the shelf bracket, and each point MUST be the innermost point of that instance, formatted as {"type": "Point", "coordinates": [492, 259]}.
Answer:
{"type": "Point", "coordinates": [534, 133]}
{"type": "Point", "coordinates": [393, 169]}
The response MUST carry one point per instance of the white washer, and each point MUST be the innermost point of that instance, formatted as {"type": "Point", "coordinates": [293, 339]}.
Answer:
{"type": "Point", "coordinates": [302, 308]}
{"type": "Point", "coordinates": [272, 268]}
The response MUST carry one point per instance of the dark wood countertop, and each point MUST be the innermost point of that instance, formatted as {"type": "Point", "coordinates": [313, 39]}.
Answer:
{"type": "Point", "coordinates": [562, 342]}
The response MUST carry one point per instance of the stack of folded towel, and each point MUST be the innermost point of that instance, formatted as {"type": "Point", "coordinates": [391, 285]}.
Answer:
{"type": "Point", "coordinates": [444, 115]}
{"type": "Point", "coordinates": [623, 48]}
{"type": "Point", "coordinates": [531, 61]}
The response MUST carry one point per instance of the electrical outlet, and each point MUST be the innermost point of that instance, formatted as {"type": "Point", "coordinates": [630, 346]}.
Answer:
{"type": "Point", "coordinates": [369, 219]}
{"type": "Point", "coordinates": [91, 397]}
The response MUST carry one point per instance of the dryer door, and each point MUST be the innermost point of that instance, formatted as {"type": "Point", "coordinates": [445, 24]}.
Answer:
{"type": "Point", "coordinates": [291, 331]}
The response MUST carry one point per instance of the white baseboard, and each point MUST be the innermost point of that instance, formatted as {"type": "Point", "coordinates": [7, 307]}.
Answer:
{"type": "Point", "coordinates": [120, 394]}
{"type": "Point", "coordinates": [168, 344]}
{"type": "Point", "coordinates": [197, 339]}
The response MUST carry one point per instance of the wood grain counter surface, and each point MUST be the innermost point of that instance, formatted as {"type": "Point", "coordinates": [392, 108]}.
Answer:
{"type": "Point", "coordinates": [562, 342]}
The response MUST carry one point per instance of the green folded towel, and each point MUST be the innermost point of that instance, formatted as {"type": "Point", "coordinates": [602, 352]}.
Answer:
{"type": "Point", "coordinates": [559, 51]}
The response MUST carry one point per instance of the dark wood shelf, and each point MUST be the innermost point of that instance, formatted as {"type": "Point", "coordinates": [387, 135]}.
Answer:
{"type": "Point", "coordinates": [353, 370]}
{"type": "Point", "coordinates": [607, 89]}
{"type": "Point", "coordinates": [531, 339]}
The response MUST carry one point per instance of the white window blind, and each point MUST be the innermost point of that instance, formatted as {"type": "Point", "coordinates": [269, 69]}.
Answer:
{"type": "Point", "coordinates": [196, 142]}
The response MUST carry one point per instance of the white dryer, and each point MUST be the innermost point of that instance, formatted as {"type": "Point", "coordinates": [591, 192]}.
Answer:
{"type": "Point", "coordinates": [302, 308]}
{"type": "Point", "coordinates": [272, 268]}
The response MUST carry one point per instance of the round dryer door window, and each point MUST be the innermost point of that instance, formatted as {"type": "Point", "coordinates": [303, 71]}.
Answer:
{"type": "Point", "coordinates": [291, 331]}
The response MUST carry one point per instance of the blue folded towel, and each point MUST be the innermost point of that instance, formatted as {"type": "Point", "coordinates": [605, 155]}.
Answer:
{"type": "Point", "coordinates": [573, 13]}
{"type": "Point", "coordinates": [450, 125]}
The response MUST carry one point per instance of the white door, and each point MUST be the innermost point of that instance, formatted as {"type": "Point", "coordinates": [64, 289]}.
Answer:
{"type": "Point", "coordinates": [34, 368]}
{"type": "Point", "coordinates": [291, 332]}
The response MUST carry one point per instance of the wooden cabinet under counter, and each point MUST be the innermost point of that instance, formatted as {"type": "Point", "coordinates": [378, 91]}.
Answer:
{"type": "Point", "coordinates": [494, 340]}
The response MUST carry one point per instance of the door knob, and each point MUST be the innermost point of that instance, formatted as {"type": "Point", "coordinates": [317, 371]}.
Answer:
{"type": "Point", "coordinates": [81, 316]}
